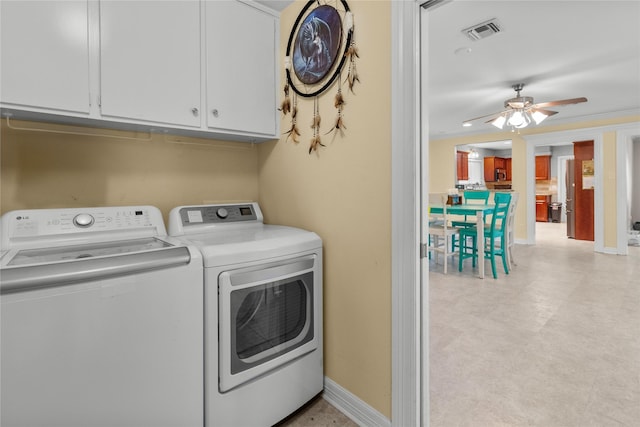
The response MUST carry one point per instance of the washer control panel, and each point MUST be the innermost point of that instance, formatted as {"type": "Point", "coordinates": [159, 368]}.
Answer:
{"type": "Point", "coordinates": [37, 223]}
{"type": "Point", "coordinates": [217, 214]}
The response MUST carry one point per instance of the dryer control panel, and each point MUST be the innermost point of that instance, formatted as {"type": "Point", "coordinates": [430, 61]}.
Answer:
{"type": "Point", "coordinates": [212, 215]}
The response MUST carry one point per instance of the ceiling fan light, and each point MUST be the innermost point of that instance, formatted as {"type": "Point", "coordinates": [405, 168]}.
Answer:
{"type": "Point", "coordinates": [538, 116]}
{"type": "Point", "coordinates": [516, 119]}
{"type": "Point", "coordinates": [524, 124]}
{"type": "Point", "coordinates": [499, 122]}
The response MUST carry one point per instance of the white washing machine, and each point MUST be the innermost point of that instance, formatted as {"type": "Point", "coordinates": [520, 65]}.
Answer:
{"type": "Point", "coordinates": [101, 320]}
{"type": "Point", "coordinates": [263, 313]}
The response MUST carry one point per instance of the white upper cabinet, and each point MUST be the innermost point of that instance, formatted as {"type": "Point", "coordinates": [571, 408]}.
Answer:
{"type": "Point", "coordinates": [241, 69]}
{"type": "Point", "coordinates": [150, 61]}
{"type": "Point", "coordinates": [44, 55]}
{"type": "Point", "coordinates": [200, 68]}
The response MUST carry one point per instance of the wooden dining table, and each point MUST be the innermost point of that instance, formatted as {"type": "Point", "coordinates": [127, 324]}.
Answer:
{"type": "Point", "coordinates": [479, 210]}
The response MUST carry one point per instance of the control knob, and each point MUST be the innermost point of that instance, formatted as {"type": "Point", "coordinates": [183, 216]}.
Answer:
{"type": "Point", "coordinates": [83, 220]}
{"type": "Point", "coordinates": [222, 213]}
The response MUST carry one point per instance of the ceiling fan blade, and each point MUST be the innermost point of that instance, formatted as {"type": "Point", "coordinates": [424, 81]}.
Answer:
{"type": "Point", "coordinates": [545, 112]}
{"type": "Point", "coordinates": [492, 115]}
{"type": "Point", "coordinates": [560, 102]}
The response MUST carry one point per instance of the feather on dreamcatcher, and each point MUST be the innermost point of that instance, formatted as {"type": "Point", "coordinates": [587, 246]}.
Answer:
{"type": "Point", "coordinates": [315, 57]}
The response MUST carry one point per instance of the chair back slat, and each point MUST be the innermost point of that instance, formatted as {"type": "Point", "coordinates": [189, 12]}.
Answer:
{"type": "Point", "coordinates": [479, 197]}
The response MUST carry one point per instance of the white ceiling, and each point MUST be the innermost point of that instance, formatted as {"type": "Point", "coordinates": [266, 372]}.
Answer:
{"type": "Point", "coordinates": [559, 49]}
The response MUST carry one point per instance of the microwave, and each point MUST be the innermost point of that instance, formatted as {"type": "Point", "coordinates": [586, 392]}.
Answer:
{"type": "Point", "coordinates": [501, 174]}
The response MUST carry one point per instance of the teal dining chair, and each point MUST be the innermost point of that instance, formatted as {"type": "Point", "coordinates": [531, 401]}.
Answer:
{"type": "Point", "coordinates": [477, 197]}
{"type": "Point", "coordinates": [494, 237]}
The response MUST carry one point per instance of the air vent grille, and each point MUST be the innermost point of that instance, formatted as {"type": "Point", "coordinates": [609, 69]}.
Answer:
{"type": "Point", "coordinates": [483, 29]}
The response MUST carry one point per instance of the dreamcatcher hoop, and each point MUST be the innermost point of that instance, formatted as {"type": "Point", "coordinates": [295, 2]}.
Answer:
{"type": "Point", "coordinates": [317, 50]}
{"type": "Point", "coordinates": [336, 68]}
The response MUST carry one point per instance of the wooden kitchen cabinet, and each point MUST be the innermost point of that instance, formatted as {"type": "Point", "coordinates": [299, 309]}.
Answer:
{"type": "Point", "coordinates": [45, 56]}
{"type": "Point", "coordinates": [507, 166]}
{"type": "Point", "coordinates": [543, 168]}
{"type": "Point", "coordinates": [490, 165]}
{"type": "Point", "coordinates": [150, 61]}
{"type": "Point", "coordinates": [542, 208]}
{"type": "Point", "coordinates": [462, 165]}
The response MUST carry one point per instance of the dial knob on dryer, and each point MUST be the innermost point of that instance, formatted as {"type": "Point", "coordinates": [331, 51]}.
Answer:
{"type": "Point", "coordinates": [222, 213]}
{"type": "Point", "coordinates": [83, 220]}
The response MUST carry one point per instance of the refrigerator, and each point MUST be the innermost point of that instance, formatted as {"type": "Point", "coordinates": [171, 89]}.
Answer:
{"type": "Point", "coordinates": [570, 202]}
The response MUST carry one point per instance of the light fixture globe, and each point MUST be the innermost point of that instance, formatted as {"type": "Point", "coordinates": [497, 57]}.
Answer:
{"type": "Point", "coordinates": [538, 116]}
{"type": "Point", "coordinates": [517, 119]}
{"type": "Point", "coordinates": [499, 121]}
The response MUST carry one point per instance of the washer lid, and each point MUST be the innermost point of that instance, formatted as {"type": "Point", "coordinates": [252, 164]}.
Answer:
{"type": "Point", "coordinates": [251, 243]}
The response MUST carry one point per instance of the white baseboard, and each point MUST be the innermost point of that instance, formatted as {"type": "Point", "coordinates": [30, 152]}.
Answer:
{"type": "Point", "coordinates": [353, 407]}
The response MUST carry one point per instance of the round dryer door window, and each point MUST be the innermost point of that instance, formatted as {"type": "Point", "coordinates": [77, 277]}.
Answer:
{"type": "Point", "coordinates": [266, 318]}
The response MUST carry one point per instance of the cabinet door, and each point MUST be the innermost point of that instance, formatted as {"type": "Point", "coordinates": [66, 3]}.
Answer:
{"type": "Point", "coordinates": [543, 164]}
{"type": "Point", "coordinates": [462, 165]}
{"type": "Point", "coordinates": [489, 169]}
{"type": "Point", "coordinates": [241, 78]}
{"type": "Point", "coordinates": [45, 55]}
{"type": "Point", "coordinates": [507, 166]}
{"type": "Point", "coordinates": [150, 61]}
{"type": "Point", "coordinates": [499, 163]}
{"type": "Point", "coordinates": [542, 208]}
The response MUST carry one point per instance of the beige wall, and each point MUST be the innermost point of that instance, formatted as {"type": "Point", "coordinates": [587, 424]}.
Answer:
{"type": "Point", "coordinates": [344, 193]}
{"type": "Point", "coordinates": [442, 168]}
{"type": "Point", "coordinates": [57, 169]}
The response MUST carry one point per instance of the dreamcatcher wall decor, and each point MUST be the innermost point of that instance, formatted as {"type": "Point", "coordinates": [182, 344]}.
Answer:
{"type": "Point", "coordinates": [317, 52]}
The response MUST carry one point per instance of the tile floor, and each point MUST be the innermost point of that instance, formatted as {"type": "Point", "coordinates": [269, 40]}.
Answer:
{"type": "Point", "coordinates": [556, 343]}
{"type": "Point", "coordinates": [317, 413]}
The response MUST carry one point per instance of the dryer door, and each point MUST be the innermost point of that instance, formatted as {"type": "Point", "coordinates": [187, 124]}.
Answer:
{"type": "Point", "coordinates": [266, 318]}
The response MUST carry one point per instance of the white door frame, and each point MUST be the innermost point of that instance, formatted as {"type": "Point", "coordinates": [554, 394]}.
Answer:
{"type": "Point", "coordinates": [624, 132]}
{"type": "Point", "coordinates": [409, 314]}
{"type": "Point", "coordinates": [623, 138]}
{"type": "Point", "coordinates": [410, 364]}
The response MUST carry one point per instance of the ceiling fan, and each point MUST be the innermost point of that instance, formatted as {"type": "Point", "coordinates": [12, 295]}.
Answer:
{"type": "Point", "coordinates": [521, 111]}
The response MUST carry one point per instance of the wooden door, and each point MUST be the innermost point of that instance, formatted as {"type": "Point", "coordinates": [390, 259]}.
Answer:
{"type": "Point", "coordinates": [583, 207]}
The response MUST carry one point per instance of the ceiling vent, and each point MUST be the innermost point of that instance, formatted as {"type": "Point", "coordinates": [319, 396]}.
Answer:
{"type": "Point", "coordinates": [483, 29]}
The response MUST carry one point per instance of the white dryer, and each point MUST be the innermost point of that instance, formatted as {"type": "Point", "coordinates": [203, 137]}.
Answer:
{"type": "Point", "coordinates": [263, 312]}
